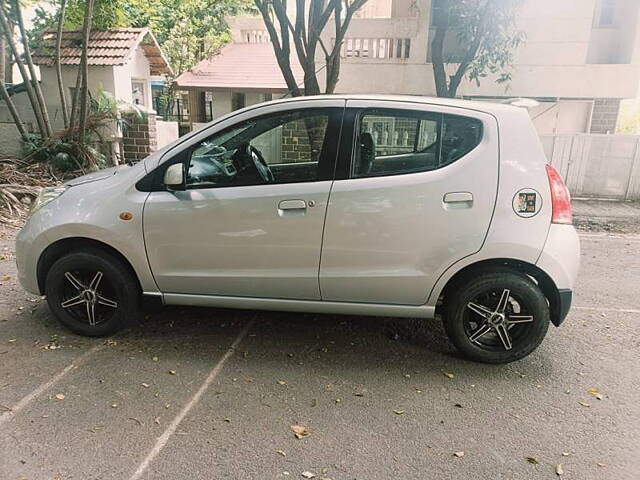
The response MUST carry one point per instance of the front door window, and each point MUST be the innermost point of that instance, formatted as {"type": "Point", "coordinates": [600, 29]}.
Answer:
{"type": "Point", "coordinates": [282, 148]}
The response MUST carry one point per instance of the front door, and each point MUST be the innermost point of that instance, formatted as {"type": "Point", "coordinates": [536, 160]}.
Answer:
{"type": "Point", "coordinates": [250, 220]}
{"type": "Point", "coordinates": [417, 194]}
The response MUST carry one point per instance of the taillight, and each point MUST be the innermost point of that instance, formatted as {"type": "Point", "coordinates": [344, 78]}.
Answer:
{"type": "Point", "coordinates": [560, 198]}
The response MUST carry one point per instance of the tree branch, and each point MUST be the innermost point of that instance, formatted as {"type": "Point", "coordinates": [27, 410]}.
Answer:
{"type": "Point", "coordinates": [32, 69]}
{"type": "Point", "coordinates": [8, 34]}
{"type": "Point", "coordinates": [63, 96]}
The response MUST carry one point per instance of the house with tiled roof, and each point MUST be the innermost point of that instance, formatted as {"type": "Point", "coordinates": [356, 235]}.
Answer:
{"type": "Point", "coordinates": [126, 62]}
{"type": "Point", "coordinates": [241, 74]}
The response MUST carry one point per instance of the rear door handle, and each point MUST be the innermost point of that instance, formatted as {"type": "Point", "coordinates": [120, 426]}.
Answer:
{"type": "Point", "coordinates": [292, 205]}
{"type": "Point", "coordinates": [458, 197]}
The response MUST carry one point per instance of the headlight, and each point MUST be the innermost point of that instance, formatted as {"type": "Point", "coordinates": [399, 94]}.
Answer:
{"type": "Point", "coordinates": [45, 196]}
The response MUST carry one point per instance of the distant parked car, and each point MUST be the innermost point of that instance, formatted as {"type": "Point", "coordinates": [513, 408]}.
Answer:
{"type": "Point", "coordinates": [367, 205]}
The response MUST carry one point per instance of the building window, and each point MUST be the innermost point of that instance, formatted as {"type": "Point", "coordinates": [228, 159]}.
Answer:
{"type": "Point", "coordinates": [138, 92]}
{"type": "Point", "coordinates": [238, 101]}
{"type": "Point", "coordinates": [606, 14]}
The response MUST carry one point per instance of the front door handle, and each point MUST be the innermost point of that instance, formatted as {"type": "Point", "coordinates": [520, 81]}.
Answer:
{"type": "Point", "coordinates": [458, 197]}
{"type": "Point", "coordinates": [292, 208]}
{"type": "Point", "coordinates": [292, 205]}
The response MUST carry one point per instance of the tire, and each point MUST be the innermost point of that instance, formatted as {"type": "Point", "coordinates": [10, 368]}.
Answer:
{"type": "Point", "coordinates": [113, 305]}
{"type": "Point", "coordinates": [481, 334]}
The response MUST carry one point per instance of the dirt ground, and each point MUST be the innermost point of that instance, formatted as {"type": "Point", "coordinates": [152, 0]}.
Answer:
{"type": "Point", "coordinates": [376, 399]}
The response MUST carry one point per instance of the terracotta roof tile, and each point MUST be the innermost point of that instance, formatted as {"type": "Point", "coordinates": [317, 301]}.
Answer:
{"type": "Point", "coordinates": [249, 66]}
{"type": "Point", "coordinates": [110, 47]}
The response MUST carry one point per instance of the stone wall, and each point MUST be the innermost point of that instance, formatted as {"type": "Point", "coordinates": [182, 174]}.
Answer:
{"type": "Point", "coordinates": [605, 115]}
{"type": "Point", "coordinates": [140, 137]}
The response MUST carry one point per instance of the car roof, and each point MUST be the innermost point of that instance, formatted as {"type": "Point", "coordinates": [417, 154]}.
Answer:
{"type": "Point", "coordinates": [481, 106]}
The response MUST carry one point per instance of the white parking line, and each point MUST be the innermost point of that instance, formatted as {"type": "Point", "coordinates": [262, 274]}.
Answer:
{"type": "Point", "coordinates": [607, 309]}
{"type": "Point", "coordinates": [164, 438]}
{"type": "Point", "coordinates": [5, 416]}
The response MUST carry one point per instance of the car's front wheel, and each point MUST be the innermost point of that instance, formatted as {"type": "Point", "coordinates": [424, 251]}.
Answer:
{"type": "Point", "coordinates": [92, 292]}
{"type": "Point", "coordinates": [496, 317]}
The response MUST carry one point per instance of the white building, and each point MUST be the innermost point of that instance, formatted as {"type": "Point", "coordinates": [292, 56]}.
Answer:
{"type": "Point", "coordinates": [579, 59]}
{"type": "Point", "coordinates": [122, 61]}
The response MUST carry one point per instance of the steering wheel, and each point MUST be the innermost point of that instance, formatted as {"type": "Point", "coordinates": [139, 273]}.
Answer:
{"type": "Point", "coordinates": [261, 165]}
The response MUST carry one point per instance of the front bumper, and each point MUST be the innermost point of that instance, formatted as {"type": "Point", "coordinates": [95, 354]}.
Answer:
{"type": "Point", "coordinates": [30, 243]}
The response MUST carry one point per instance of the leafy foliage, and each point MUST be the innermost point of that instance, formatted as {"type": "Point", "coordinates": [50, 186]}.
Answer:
{"type": "Point", "coordinates": [64, 152]}
{"type": "Point", "coordinates": [486, 37]}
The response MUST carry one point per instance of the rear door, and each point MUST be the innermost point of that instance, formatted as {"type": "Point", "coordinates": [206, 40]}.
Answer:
{"type": "Point", "coordinates": [415, 192]}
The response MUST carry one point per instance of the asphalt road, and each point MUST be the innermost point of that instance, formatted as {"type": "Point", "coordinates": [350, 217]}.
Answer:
{"type": "Point", "coordinates": [170, 400]}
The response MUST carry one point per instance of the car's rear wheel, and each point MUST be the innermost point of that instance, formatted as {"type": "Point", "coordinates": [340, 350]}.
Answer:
{"type": "Point", "coordinates": [496, 317]}
{"type": "Point", "coordinates": [92, 293]}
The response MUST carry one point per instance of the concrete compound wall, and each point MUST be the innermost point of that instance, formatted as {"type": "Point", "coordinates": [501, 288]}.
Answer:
{"type": "Point", "coordinates": [593, 165]}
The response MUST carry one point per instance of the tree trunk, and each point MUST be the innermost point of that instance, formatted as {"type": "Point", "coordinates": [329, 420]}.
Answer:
{"type": "Point", "coordinates": [63, 96]}
{"type": "Point", "coordinates": [6, 29]}
{"type": "Point", "coordinates": [32, 70]}
{"type": "Point", "coordinates": [84, 99]}
{"type": "Point", "coordinates": [12, 110]}
{"type": "Point", "coordinates": [3, 54]}
{"type": "Point", "coordinates": [437, 61]}
{"type": "Point", "coordinates": [281, 47]}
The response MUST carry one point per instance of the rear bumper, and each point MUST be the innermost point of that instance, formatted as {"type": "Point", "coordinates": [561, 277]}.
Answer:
{"type": "Point", "coordinates": [565, 296]}
{"type": "Point", "coordinates": [560, 259]}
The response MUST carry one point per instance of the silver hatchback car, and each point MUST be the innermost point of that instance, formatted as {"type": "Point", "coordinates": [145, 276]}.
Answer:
{"type": "Point", "coordinates": [368, 205]}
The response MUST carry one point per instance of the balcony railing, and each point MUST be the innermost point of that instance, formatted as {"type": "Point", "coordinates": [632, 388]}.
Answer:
{"type": "Point", "coordinates": [255, 36]}
{"type": "Point", "coordinates": [376, 48]}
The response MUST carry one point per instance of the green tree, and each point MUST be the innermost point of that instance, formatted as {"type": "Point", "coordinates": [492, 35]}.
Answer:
{"type": "Point", "coordinates": [475, 37]}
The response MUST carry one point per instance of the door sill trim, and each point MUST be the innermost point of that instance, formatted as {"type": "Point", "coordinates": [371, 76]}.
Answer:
{"type": "Point", "coordinates": [311, 306]}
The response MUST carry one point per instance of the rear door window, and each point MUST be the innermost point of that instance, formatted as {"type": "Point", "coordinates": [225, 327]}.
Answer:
{"type": "Point", "coordinates": [393, 142]}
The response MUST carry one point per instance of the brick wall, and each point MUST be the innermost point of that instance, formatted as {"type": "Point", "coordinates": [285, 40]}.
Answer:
{"type": "Point", "coordinates": [140, 138]}
{"type": "Point", "coordinates": [605, 115]}
{"type": "Point", "coordinates": [296, 146]}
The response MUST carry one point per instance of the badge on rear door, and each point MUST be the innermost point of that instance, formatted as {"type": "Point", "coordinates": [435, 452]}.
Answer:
{"type": "Point", "coordinates": [527, 202]}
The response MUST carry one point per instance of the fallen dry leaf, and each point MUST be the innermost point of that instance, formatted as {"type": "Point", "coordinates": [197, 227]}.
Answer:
{"type": "Point", "coordinates": [458, 454]}
{"type": "Point", "coordinates": [60, 396]}
{"type": "Point", "coordinates": [593, 391]}
{"type": "Point", "coordinates": [281, 382]}
{"type": "Point", "coordinates": [559, 469]}
{"type": "Point", "coordinates": [5, 278]}
{"type": "Point", "coordinates": [448, 375]}
{"type": "Point", "coordinates": [155, 359]}
{"type": "Point", "coordinates": [307, 474]}
{"type": "Point", "coordinates": [532, 460]}
{"type": "Point", "coordinates": [299, 431]}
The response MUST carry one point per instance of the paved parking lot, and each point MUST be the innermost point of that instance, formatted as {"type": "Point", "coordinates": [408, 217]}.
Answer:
{"type": "Point", "coordinates": [378, 399]}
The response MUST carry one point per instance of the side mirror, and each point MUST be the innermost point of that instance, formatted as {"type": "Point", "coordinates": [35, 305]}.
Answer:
{"type": "Point", "coordinates": [174, 177]}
